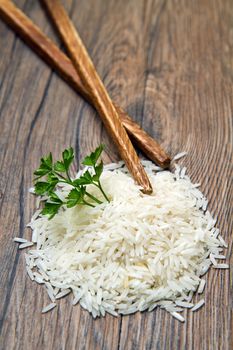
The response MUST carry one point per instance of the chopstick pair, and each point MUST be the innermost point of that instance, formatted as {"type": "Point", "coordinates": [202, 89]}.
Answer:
{"type": "Point", "coordinates": [90, 86]}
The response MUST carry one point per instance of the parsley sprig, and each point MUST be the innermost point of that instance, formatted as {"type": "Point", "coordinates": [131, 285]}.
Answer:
{"type": "Point", "coordinates": [55, 173]}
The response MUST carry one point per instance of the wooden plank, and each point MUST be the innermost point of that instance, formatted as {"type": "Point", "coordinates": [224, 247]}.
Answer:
{"type": "Point", "coordinates": [187, 102]}
{"type": "Point", "coordinates": [169, 64]}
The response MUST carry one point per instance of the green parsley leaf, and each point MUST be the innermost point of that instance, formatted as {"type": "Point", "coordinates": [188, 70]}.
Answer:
{"type": "Point", "coordinates": [85, 179]}
{"type": "Point", "coordinates": [41, 172]}
{"type": "Point", "coordinates": [54, 198]}
{"type": "Point", "coordinates": [51, 209]}
{"type": "Point", "coordinates": [80, 182]}
{"type": "Point", "coordinates": [60, 167]}
{"type": "Point", "coordinates": [52, 178]}
{"type": "Point", "coordinates": [75, 197]}
{"type": "Point", "coordinates": [47, 161]}
{"type": "Point", "coordinates": [98, 171]}
{"type": "Point", "coordinates": [41, 187]}
{"type": "Point", "coordinates": [45, 166]}
{"type": "Point", "coordinates": [91, 160]}
{"type": "Point", "coordinates": [68, 157]}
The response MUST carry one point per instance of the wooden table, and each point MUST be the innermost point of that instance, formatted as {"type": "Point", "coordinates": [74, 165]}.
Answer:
{"type": "Point", "coordinates": [169, 64]}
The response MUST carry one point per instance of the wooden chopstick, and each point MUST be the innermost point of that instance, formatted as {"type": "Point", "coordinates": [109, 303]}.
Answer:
{"type": "Point", "coordinates": [98, 94]}
{"type": "Point", "coordinates": [52, 55]}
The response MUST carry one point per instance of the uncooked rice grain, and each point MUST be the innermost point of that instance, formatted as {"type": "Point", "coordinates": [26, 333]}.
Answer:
{"type": "Point", "coordinates": [184, 304]}
{"type": "Point", "coordinates": [25, 245]}
{"type": "Point", "coordinates": [63, 293]}
{"type": "Point", "coordinates": [20, 240]}
{"type": "Point", "coordinates": [201, 286]}
{"type": "Point", "coordinates": [180, 155]}
{"type": "Point", "coordinates": [213, 260]}
{"type": "Point", "coordinates": [48, 307]}
{"type": "Point", "coordinates": [30, 273]}
{"type": "Point", "coordinates": [222, 266]}
{"type": "Point", "coordinates": [50, 294]}
{"type": "Point", "coordinates": [178, 316]}
{"type": "Point", "coordinates": [220, 256]}
{"type": "Point", "coordinates": [198, 305]}
{"type": "Point", "coordinates": [222, 241]}
{"type": "Point", "coordinates": [31, 190]}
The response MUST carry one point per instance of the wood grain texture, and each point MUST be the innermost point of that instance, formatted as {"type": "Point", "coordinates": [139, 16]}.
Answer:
{"type": "Point", "coordinates": [58, 61]}
{"type": "Point", "coordinates": [169, 65]}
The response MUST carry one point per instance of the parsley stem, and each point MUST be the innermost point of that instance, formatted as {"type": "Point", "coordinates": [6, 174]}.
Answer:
{"type": "Point", "coordinates": [104, 194]}
{"type": "Point", "coordinates": [63, 177]}
{"type": "Point", "coordinates": [69, 181]}
{"type": "Point", "coordinates": [67, 173]}
{"type": "Point", "coordinates": [94, 198]}
{"type": "Point", "coordinates": [90, 205]}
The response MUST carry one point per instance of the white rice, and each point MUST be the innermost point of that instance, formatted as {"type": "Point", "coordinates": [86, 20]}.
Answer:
{"type": "Point", "coordinates": [220, 256]}
{"type": "Point", "coordinates": [20, 240]}
{"type": "Point", "coordinates": [48, 307]}
{"type": "Point", "coordinates": [25, 245]}
{"type": "Point", "coordinates": [180, 155]}
{"type": "Point", "coordinates": [50, 292]}
{"type": "Point", "coordinates": [213, 260]}
{"type": "Point", "coordinates": [31, 190]}
{"type": "Point", "coordinates": [178, 316]}
{"type": "Point", "coordinates": [30, 273]}
{"type": "Point", "coordinates": [184, 304]}
{"type": "Point", "coordinates": [223, 243]}
{"type": "Point", "coordinates": [198, 305]}
{"type": "Point", "coordinates": [222, 266]}
{"type": "Point", "coordinates": [63, 293]}
{"type": "Point", "coordinates": [201, 287]}
{"type": "Point", "coordinates": [135, 253]}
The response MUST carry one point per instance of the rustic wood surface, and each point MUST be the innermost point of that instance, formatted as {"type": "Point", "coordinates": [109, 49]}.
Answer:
{"type": "Point", "coordinates": [30, 33]}
{"type": "Point", "coordinates": [169, 64]}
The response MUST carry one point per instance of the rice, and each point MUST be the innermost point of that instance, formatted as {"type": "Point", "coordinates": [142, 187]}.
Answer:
{"type": "Point", "coordinates": [50, 291]}
{"type": "Point", "coordinates": [20, 240]}
{"type": "Point", "coordinates": [180, 155]}
{"type": "Point", "coordinates": [136, 253]}
{"type": "Point", "coordinates": [76, 300]}
{"type": "Point", "coordinates": [222, 266]}
{"type": "Point", "coordinates": [25, 245]}
{"type": "Point", "coordinates": [213, 260]}
{"type": "Point", "coordinates": [63, 293]}
{"type": "Point", "coordinates": [31, 190]}
{"type": "Point", "coordinates": [223, 243]}
{"type": "Point", "coordinates": [178, 316]}
{"type": "Point", "coordinates": [30, 273]}
{"type": "Point", "coordinates": [48, 308]}
{"type": "Point", "coordinates": [184, 304]}
{"type": "Point", "coordinates": [198, 305]}
{"type": "Point", "coordinates": [201, 287]}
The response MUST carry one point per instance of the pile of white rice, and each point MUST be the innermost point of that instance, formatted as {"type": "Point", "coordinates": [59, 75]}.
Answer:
{"type": "Point", "coordinates": [132, 254]}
